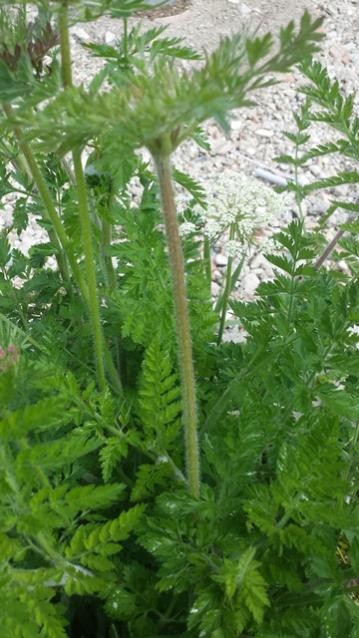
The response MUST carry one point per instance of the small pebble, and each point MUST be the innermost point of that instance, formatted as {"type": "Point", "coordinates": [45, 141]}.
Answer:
{"type": "Point", "coordinates": [221, 260]}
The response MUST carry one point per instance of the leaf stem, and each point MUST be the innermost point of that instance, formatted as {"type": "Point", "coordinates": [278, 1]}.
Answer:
{"type": "Point", "coordinates": [59, 237]}
{"type": "Point", "coordinates": [207, 262]}
{"type": "Point", "coordinates": [188, 384]}
{"type": "Point", "coordinates": [65, 48]}
{"type": "Point", "coordinates": [298, 197]}
{"type": "Point", "coordinates": [90, 268]}
{"type": "Point", "coordinates": [227, 289]}
{"type": "Point", "coordinates": [106, 238]}
{"type": "Point", "coordinates": [125, 38]}
{"type": "Point", "coordinates": [329, 249]}
{"type": "Point", "coordinates": [101, 352]}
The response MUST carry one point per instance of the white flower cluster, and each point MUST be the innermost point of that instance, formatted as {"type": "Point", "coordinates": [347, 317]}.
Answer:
{"type": "Point", "coordinates": [242, 200]}
{"type": "Point", "coordinates": [187, 228]}
{"type": "Point", "coordinates": [236, 199]}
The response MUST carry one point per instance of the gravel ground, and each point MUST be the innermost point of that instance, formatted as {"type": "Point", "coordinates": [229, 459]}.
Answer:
{"type": "Point", "coordinates": [257, 133]}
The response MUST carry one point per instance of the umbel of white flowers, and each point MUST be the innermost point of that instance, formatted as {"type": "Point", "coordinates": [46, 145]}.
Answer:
{"type": "Point", "coordinates": [237, 200]}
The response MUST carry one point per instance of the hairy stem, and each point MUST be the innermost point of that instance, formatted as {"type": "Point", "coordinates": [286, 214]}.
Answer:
{"type": "Point", "coordinates": [183, 324]}
{"type": "Point", "coordinates": [227, 290]}
{"type": "Point", "coordinates": [58, 237]}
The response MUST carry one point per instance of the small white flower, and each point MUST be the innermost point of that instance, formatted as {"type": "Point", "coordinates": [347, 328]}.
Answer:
{"type": "Point", "coordinates": [269, 245]}
{"type": "Point", "coordinates": [187, 228]}
{"type": "Point", "coordinates": [213, 228]}
{"type": "Point", "coordinates": [234, 248]}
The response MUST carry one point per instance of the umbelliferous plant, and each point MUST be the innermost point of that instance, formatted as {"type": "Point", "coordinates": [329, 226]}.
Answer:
{"type": "Point", "coordinates": [111, 350]}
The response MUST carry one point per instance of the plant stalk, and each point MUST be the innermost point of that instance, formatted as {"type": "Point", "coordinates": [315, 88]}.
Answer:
{"type": "Point", "coordinates": [188, 384]}
{"type": "Point", "coordinates": [109, 269]}
{"type": "Point", "coordinates": [106, 238]}
{"type": "Point", "coordinates": [102, 354]}
{"type": "Point", "coordinates": [227, 290]}
{"type": "Point", "coordinates": [93, 301]}
{"type": "Point", "coordinates": [65, 47]}
{"type": "Point", "coordinates": [125, 39]}
{"type": "Point", "coordinates": [329, 249]}
{"type": "Point", "coordinates": [207, 262]}
{"type": "Point", "coordinates": [59, 237]}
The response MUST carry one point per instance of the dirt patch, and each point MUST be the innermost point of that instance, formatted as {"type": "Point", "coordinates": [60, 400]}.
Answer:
{"type": "Point", "coordinates": [162, 12]}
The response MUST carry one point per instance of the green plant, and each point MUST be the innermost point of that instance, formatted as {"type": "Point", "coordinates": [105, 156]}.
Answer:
{"type": "Point", "coordinates": [110, 349]}
{"type": "Point", "coordinates": [325, 103]}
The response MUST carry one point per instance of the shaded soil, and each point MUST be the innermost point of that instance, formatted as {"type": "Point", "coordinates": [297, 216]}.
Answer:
{"type": "Point", "coordinates": [161, 12]}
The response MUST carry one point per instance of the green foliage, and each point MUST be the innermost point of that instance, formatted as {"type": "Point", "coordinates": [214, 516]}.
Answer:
{"type": "Point", "coordinates": [99, 536]}
{"type": "Point", "coordinates": [159, 405]}
{"type": "Point", "coordinates": [52, 530]}
{"type": "Point", "coordinates": [324, 102]}
{"type": "Point", "coordinates": [159, 105]}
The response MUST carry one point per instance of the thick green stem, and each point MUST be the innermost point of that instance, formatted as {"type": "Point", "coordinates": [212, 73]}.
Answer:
{"type": "Point", "coordinates": [227, 290]}
{"type": "Point", "coordinates": [65, 48]}
{"type": "Point", "coordinates": [93, 301]}
{"type": "Point", "coordinates": [59, 237]}
{"type": "Point", "coordinates": [183, 325]}
{"type": "Point", "coordinates": [85, 219]}
{"type": "Point", "coordinates": [111, 283]}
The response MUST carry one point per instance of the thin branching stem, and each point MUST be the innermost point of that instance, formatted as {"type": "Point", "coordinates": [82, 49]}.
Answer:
{"type": "Point", "coordinates": [188, 383]}
{"type": "Point", "coordinates": [125, 39]}
{"type": "Point", "coordinates": [329, 249]}
{"type": "Point", "coordinates": [227, 289]}
{"type": "Point", "coordinates": [58, 237]}
{"type": "Point", "coordinates": [106, 239]}
{"type": "Point", "coordinates": [207, 262]}
{"type": "Point", "coordinates": [296, 181]}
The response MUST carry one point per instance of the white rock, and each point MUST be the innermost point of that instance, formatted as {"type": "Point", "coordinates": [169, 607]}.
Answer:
{"type": "Point", "coordinates": [110, 37]}
{"type": "Point", "coordinates": [222, 147]}
{"type": "Point", "coordinates": [264, 132]}
{"type": "Point", "coordinates": [80, 34]}
{"type": "Point", "coordinates": [316, 170]}
{"type": "Point", "coordinates": [251, 150]}
{"type": "Point", "coordinates": [245, 9]}
{"type": "Point", "coordinates": [250, 282]}
{"type": "Point", "coordinates": [221, 260]}
{"type": "Point", "coordinates": [216, 289]}
{"type": "Point", "coordinates": [236, 125]}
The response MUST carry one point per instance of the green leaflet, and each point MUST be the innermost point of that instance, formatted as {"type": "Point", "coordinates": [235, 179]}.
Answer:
{"type": "Point", "coordinates": [159, 405]}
